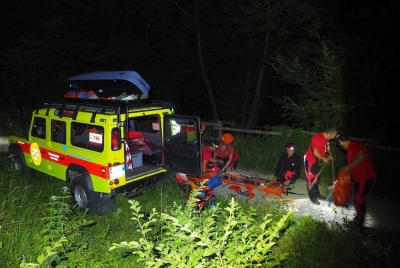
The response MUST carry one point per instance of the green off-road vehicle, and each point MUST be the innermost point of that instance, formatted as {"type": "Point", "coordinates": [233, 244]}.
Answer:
{"type": "Point", "coordinates": [107, 137]}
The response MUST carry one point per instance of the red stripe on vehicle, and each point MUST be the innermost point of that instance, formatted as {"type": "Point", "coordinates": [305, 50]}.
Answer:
{"type": "Point", "coordinates": [66, 160]}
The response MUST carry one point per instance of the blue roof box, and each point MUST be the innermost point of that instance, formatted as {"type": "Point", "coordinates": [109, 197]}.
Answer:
{"type": "Point", "coordinates": [110, 83]}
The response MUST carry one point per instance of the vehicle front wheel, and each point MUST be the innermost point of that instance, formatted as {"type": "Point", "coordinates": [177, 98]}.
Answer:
{"type": "Point", "coordinates": [20, 165]}
{"type": "Point", "coordinates": [93, 202]}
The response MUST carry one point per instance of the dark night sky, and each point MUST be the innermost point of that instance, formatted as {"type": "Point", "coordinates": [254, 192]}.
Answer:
{"type": "Point", "coordinates": [371, 25]}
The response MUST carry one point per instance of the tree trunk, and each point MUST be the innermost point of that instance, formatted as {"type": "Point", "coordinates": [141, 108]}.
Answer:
{"type": "Point", "coordinates": [203, 71]}
{"type": "Point", "coordinates": [201, 60]}
{"type": "Point", "coordinates": [254, 108]}
{"type": "Point", "coordinates": [247, 85]}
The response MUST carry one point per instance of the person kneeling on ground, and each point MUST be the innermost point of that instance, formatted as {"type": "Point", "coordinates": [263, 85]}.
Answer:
{"type": "Point", "coordinates": [226, 153]}
{"type": "Point", "coordinates": [208, 163]}
{"type": "Point", "coordinates": [289, 165]}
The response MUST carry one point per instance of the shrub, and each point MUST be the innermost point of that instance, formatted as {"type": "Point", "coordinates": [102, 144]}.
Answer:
{"type": "Point", "coordinates": [185, 237]}
{"type": "Point", "coordinates": [59, 232]}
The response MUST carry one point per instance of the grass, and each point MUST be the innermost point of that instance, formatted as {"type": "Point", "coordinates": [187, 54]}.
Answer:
{"type": "Point", "coordinates": [28, 207]}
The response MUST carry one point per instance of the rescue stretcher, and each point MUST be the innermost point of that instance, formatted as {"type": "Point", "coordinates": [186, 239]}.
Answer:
{"type": "Point", "coordinates": [234, 181]}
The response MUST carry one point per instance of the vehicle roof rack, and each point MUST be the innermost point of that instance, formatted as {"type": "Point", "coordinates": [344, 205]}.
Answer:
{"type": "Point", "coordinates": [106, 92]}
{"type": "Point", "coordinates": [97, 106]}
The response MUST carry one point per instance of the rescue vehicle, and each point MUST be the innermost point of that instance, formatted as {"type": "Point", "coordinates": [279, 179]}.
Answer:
{"type": "Point", "coordinates": [106, 138]}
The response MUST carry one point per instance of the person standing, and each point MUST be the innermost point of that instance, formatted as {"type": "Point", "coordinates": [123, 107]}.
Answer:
{"type": "Point", "coordinates": [288, 168]}
{"type": "Point", "coordinates": [317, 155]}
{"type": "Point", "coordinates": [362, 172]}
{"type": "Point", "coordinates": [226, 154]}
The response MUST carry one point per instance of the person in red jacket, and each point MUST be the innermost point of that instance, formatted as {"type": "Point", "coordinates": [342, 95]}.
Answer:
{"type": "Point", "coordinates": [318, 154]}
{"type": "Point", "coordinates": [288, 168]}
{"type": "Point", "coordinates": [362, 172]}
{"type": "Point", "coordinates": [209, 164]}
{"type": "Point", "coordinates": [226, 153]}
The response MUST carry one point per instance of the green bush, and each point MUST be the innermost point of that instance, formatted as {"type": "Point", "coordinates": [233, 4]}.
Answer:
{"type": "Point", "coordinates": [185, 237]}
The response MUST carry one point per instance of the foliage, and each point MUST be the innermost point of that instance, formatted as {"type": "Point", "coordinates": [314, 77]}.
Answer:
{"type": "Point", "coordinates": [17, 123]}
{"type": "Point", "coordinates": [157, 40]}
{"type": "Point", "coordinates": [59, 232]}
{"type": "Point", "coordinates": [57, 39]}
{"type": "Point", "coordinates": [321, 102]}
{"type": "Point", "coordinates": [214, 238]}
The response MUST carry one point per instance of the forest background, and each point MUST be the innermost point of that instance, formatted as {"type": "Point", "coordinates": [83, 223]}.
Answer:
{"type": "Point", "coordinates": [251, 64]}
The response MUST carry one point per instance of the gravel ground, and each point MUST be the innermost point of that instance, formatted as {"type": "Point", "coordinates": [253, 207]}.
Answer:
{"type": "Point", "coordinates": [381, 213]}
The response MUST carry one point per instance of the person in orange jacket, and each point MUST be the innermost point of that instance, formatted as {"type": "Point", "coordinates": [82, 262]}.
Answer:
{"type": "Point", "coordinates": [226, 154]}
{"type": "Point", "coordinates": [362, 172]}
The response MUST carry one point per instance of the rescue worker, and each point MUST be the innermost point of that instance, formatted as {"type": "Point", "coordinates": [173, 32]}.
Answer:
{"type": "Point", "coordinates": [209, 164]}
{"type": "Point", "coordinates": [317, 155]}
{"type": "Point", "coordinates": [362, 172]}
{"type": "Point", "coordinates": [288, 168]}
{"type": "Point", "coordinates": [226, 153]}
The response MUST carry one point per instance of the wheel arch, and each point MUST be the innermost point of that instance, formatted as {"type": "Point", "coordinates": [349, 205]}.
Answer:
{"type": "Point", "coordinates": [14, 149]}
{"type": "Point", "coordinates": [78, 173]}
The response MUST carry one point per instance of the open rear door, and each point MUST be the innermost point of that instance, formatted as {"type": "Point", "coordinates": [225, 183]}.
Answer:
{"type": "Point", "coordinates": [182, 144]}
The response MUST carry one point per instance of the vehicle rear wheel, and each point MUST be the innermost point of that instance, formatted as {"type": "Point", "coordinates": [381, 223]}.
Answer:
{"type": "Point", "coordinates": [93, 202]}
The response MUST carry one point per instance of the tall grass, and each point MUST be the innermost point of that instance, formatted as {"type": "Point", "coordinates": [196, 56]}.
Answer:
{"type": "Point", "coordinates": [39, 228]}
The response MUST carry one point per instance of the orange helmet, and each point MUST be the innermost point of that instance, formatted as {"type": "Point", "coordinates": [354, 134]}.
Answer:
{"type": "Point", "coordinates": [227, 138]}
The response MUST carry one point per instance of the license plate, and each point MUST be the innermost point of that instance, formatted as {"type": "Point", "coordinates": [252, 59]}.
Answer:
{"type": "Point", "coordinates": [117, 171]}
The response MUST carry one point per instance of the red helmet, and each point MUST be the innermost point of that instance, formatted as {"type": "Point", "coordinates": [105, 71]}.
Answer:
{"type": "Point", "coordinates": [202, 127]}
{"type": "Point", "coordinates": [289, 146]}
{"type": "Point", "coordinates": [227, 138]}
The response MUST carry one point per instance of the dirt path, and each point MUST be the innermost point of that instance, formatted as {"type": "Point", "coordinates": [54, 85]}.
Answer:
{"type": "Point", "coordinates": [381, 213]}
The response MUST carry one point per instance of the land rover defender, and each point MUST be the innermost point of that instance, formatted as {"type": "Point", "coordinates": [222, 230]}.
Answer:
{"type": "Point", "coordinates": [107, 137]}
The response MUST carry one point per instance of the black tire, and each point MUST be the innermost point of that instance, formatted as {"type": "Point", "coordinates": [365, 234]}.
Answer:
{"type": "Point", "coordinates": [93, 202]}
{"type": "Point", "coordinates": [185, 188]}
{"type": "Point", "coordinates": [20, 165]}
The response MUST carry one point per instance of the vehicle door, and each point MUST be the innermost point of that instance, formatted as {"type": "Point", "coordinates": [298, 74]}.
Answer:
{"type": "Point", "coordinates": [182, 144]}
{"type": "Point", "coordinates": [38, 152]}
{"type": "Point", "coordinates": [58, 150]}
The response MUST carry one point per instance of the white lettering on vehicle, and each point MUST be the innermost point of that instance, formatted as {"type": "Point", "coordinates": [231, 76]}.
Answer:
{"type": "Point", "coordinates": [54, 156]}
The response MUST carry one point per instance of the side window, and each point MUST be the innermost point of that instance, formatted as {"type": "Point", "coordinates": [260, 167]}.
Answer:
{"type": "Point", "coordinates": [39, 128]}
{"type": "Point", "coordinates": [115, 139]}
{"type": "Point", "coordinates": [144, 123]}
{"type": "Point", "coordinates": [58, 131]}
{"type": "Point", "coordinates": [87, 136]}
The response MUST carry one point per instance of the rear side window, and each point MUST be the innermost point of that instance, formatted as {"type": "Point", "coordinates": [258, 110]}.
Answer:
{"type": "Point", "coordinates": [58, 131]}
{"type": "Point", "coordinates": [87, 136]}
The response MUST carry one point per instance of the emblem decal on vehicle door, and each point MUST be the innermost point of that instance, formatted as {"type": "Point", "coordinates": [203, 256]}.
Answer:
{"type": "Point", "coordinates": [35, 154]}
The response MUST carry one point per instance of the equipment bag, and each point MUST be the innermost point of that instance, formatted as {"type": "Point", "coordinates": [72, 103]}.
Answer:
{"type": "Point", "coordinates": [137, 141]}
{"type": "Point", "coordinates": [342, 189]}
